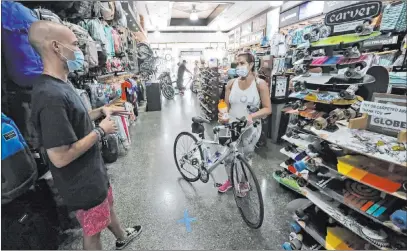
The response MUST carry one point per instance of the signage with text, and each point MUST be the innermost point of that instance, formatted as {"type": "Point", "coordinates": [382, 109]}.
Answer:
{"type": "Point", "coordinates": [289, 17]}
{"type": "Point", "coordinates": [386, 115]}
{"type": "Point", "coordinates": [354, 12]}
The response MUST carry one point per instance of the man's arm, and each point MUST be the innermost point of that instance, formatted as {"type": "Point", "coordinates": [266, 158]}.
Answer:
{"type": "Point", "coordinates": [63, 155]}
{"type": "Point", "coordinates": [96, 113]}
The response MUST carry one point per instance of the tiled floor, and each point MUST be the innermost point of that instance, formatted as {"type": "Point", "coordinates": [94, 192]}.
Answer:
{"type": "Point", "coordinates": [149, 190]}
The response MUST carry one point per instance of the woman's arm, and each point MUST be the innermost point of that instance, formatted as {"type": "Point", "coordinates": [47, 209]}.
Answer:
{"type": "Point", "coordinates": [265, 101]}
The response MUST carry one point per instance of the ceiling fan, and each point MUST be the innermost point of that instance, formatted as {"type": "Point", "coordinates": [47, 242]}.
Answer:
{"type": "Point", "coordinates": [193, 14]}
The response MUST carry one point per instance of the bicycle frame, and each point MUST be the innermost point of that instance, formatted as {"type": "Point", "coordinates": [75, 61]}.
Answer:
{"type": "Point", "coordinates": [229, 150]}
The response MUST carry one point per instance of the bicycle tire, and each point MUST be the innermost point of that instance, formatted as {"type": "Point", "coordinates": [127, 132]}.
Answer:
{"type": "Point", "coordinates": [176, 159]}
{"type": "Point", "coordinates": [168, 92]}
{"type": "Point", "coordinates": [259, 221]}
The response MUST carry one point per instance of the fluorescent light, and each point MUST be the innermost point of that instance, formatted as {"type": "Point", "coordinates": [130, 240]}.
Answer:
{"type": "Point", "coordinates": [276, 3]}
{"type": "Point", "coordinates": [193, 16]}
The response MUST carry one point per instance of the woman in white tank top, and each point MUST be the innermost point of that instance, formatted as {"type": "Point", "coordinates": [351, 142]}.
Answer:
{"type": "Point", "coordinates": [240, 93]}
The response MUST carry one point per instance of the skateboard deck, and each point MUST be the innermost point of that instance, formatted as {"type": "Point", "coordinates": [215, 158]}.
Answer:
{"type": "Point", "coordinates": [361, 198]}
{"type": "Point", "coordinates": [344, 39]}
{"type": "Point", "coordinates": [309, 113]}
{"type": "Point", "coordinates": [330, 237]}
{"type": "Point", "coordinates": [334, 79]}
{"type": "Point", "coordinates": [339, 60]}
{"type": "Point", "coordinates": [375, 235]}
{"type": "Point", "coordinates": [375, 173]}
{"type": "Point", "coordinates": [324, 97]}
{"type": "Point", "coordinates": [368, 143]}
{"type": "Point", "coordinates": [288, 181]}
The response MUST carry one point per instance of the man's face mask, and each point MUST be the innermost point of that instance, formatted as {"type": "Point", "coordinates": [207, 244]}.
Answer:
{"type": "Point", "coordinates": [75, 64]}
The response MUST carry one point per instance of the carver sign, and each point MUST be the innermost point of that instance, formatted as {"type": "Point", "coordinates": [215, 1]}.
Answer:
{"type": "Point", "coordinates": [355, 12]}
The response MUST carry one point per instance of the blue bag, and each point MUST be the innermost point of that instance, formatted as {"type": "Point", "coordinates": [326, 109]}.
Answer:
{"type": "Point", "coordinates": [18, 167]}
{"type": "Point", "coordinates": [23, 62]}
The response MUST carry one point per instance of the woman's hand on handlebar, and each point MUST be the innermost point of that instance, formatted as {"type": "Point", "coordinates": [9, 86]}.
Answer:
{"type": "Point", "coordinates": [221, 120]}
{"type": "Point", "coordinates": [249, 120]}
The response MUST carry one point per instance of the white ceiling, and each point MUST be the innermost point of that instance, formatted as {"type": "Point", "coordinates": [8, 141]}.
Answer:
{"type": "Point", "coordinates": [183, 10]}
{"type": "Point", "coordinates": [157, 14]}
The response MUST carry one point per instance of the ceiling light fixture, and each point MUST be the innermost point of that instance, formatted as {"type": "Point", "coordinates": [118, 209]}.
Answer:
{"type": "Point", "coordinates": [276, 3]}
{"type": "Point", "coordinates": [193, 16]}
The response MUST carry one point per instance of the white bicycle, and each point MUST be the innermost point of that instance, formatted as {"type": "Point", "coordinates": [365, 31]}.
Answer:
{"type": "Point", "coordinates": [195, 161]}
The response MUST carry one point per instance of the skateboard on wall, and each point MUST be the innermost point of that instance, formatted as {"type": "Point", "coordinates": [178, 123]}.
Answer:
{"type": "Point", "coordinates": [377, 235]}
{"type": "Point", "coordinates": [287, 179]}
{"type": "Point", "coordinates": [324, 97]}
{"type": "Point", "coordinates": [325, 230]}
{"type": "Point", "coordinates": [344, 40]}
{"type": "Point", "coordinates": [370, 144]}
{"type": "Point", "coordinates": [365, 200]}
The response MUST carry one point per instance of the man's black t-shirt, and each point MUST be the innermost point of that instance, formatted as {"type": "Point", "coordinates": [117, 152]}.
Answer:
{"type": "Point", "coordinates": [181, 70]}
{"type": "Point", "coordinates": [60, 118]}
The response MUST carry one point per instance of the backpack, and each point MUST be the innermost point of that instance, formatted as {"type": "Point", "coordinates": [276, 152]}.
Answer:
{"type": "Point", "coordinates": [86, 43]}
{"type": "Point", "coordinates": [23, 62]}
{"type": "Point", "coordinates": [85, 99]}
{"type": "Point", "coordinates": [117, 42]}
{"type": "Point", "coordinates": [19, 171]}
{"type": "Point", "coordinates": [45, 14]}
{"type": "Point", "coordinates": [110, 148]}
{"type": "Point", "coordinates": [74, 10]}
{"type": "Point", "coordinates": [97, 32]}
{"type": "Point", "coordinates": [119, 15]}
{"type": "Point", "coordinates": [97, 96]}
{"type": "Point", "coordinates": [107, 9]}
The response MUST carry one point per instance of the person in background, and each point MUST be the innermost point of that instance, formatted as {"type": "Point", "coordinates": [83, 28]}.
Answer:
{"type": "Point", "coordinates": [66, 132]}
{"type": "Point", "coordinates": [232, 71]}
{"type": "Point", "coordinates": [180, 78]}
{"type": "Point", "coordinates": [246, 90]}
{"type": "Point", "coordinates": [196, 70]}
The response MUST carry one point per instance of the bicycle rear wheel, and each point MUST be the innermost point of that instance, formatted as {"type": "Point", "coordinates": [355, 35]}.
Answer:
{"type": "Point", "coordinates": [247, 193]}
{"type": "Point", "coordinates": [188, 161]}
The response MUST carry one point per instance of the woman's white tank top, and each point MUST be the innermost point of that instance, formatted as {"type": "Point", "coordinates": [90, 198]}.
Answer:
{"type": "Point", "coordinates": [239, 100]}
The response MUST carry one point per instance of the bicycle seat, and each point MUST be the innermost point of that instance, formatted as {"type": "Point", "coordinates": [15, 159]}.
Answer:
{"type": "Point", "coordinates": [200, 120]}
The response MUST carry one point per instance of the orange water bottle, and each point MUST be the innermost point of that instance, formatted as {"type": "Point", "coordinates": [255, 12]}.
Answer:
{"type": "Point", "coordinates": [223, 109]}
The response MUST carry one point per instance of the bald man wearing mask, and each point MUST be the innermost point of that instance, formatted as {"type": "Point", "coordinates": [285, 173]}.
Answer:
{"type": "Point", "coordinates": [66, 132]}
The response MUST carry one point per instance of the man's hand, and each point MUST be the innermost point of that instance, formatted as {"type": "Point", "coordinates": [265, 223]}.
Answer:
{"type": "Point", "coordinates": [108, 126]}
{"type": "Point", "coordinates": [114, 110]}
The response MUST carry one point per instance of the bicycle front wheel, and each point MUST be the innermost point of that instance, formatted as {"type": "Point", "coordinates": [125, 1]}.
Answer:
{"type": "Point", "coordinates": [168, 92]}
{"type": "Point", "coordinates": [188, 156]}
{"type": "Point", "coordinates": [247, 193]}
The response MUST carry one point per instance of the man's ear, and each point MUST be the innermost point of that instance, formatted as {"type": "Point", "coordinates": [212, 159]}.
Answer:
{"type": "Point", "coordinates": [56, 47]}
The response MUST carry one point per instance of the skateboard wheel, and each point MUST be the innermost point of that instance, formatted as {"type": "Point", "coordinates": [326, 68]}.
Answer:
{"type": "Point", "coordinates": [359, 29]}
{"type": "Point", "coordinates": [292, 236]}
{"type": "Point", "coordinates": [404, 185]}
{"type": "Point", "coordinates": [399, 218]}
{"type": "Point", "coordinates": [337, 114]}
{"type": "Point", "coordinates": [296, 244]}
{"type": "Point", "coordinates": [302, 182]}
{"type": "Point", "coordinates": [287, 246]}
{"type": "Point", "coordinates": [320, 123]}
{"type": "Point", "coordinates": [349, 113]}
{"type": "Point", "coordinates": [300, 237]}
{"type": "Point", "coordinates": [306, 36]}
{"type": "Point", "coordinates": [331, 221]}
{"type": "Point", "coordinates": [295, 227]}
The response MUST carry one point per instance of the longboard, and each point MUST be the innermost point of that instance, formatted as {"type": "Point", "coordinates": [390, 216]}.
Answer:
{"type": "Point", "coordinates": [376, 236]}
{"type": "Point", "coordinates": [338, 60]}
{"type": "Point", "coordinates": [324, 97]}
{"type": "Point", "coordinates": [344, 39]}
{"type": "Point", "coordinates": [330, 237]}
{"type": "Point", "coordinates": [368, 143]}
{"type": "Point", "coordinates": [361, 198]}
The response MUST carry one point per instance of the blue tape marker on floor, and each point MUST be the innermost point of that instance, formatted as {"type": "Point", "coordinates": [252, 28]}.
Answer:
{"type": "Point", "coordinates": [187, 221]}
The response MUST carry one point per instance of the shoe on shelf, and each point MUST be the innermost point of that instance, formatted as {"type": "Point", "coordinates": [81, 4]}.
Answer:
{"type": "Point", "coordinates": [131, 234]}
{"type": "Point", "coordinates": [225, 187]}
